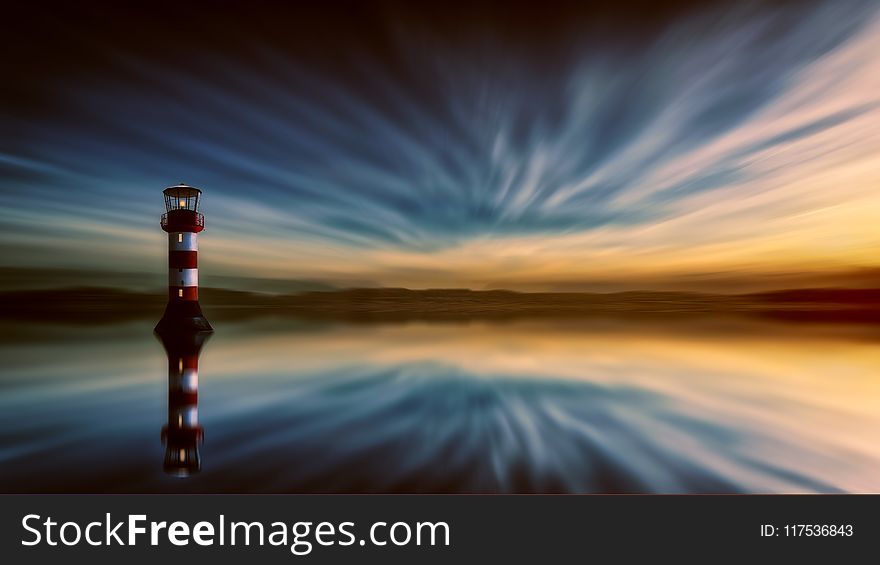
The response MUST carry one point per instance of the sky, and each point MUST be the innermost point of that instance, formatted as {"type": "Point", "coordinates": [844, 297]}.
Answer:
{"type": "Point", "coordinates": [563, 146]}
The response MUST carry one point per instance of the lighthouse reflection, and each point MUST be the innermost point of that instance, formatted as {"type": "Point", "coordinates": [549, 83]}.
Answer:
{"type": "Point", "coordinates": [182, 434]}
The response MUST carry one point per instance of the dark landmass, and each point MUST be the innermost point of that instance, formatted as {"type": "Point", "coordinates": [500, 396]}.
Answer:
{"type": "Point", "coordinates": [18, 278]}
{"type": "Point", "coordinates": [102, 305]}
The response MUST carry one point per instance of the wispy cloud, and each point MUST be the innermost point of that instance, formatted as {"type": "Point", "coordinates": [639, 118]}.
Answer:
{"type": "Point", "coordinates": [746, 140]}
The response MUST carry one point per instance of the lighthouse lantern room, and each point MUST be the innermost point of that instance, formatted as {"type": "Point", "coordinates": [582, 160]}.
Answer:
{"type": "Point", "coordinates": [183, 222]}
{"type": "Point", "coordinates": [182, 209]}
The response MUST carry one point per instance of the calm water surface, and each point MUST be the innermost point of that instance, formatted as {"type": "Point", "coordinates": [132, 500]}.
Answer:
{"type": "Point", "coordinates": [522, 407]}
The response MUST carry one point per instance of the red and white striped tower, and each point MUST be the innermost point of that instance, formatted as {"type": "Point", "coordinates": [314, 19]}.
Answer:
{"type": "Point", "coordinates": [183, 222]}
{"type": "Point", "coordinates": [182, 434]}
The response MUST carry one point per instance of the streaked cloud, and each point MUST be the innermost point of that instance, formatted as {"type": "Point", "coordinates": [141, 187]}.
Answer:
{"type": "Point", "coordinates": [745, 140]}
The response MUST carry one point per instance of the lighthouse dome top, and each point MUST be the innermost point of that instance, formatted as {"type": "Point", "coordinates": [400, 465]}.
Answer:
{"type": "Point", "coordinates": [182, 190]}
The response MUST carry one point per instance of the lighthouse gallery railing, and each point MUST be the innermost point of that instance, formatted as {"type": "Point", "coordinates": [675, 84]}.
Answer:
{"type": "Point", "coordinates": [197, 218]}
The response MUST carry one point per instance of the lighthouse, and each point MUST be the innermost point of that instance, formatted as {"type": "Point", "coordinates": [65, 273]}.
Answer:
{"type": "Point", "coordinates": [183, 222]}
{"type": "Point", "coordinates": [182, 434]}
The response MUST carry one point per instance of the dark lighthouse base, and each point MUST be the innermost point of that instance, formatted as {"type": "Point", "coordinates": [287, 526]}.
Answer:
{"type": "Point", "coordinates": [183, 317]}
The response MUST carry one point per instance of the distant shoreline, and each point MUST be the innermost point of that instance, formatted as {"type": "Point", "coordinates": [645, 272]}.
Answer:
{"type": "Point", "coordinates": [103, 305]}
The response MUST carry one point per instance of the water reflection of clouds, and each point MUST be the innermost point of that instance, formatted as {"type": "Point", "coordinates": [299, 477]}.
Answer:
{"type": "Point", "coordinates": [471, 407]}
{"type": "Point", "coordinates": [699, 412]}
